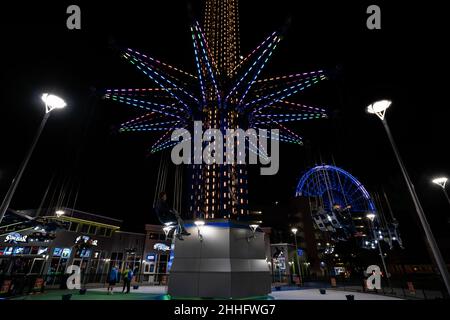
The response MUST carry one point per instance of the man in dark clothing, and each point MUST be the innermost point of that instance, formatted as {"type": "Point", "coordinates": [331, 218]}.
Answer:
{"type": "Point", "coordinates": [169, 216]}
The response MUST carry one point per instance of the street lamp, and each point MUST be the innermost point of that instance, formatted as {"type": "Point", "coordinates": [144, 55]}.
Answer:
{"type": "Point", "coordinates": [379, 108]}
{"type": "Point", "coordinates": [294, 231]}
{"type": "Point", "coordinates": [371, 216]}
{"type": "Point", "coordinates": [59, 213]}
{"type": "Point", "coordinates": [199, 223]}
{"type": "Point", "coordinates": [51, 102]}
{"type": "Point", "coordinates": [441, 181]}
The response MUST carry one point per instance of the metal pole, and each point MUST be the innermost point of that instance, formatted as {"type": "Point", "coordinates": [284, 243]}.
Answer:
{"type": "Point", "coordinates": [382, 256]}
{"type": "Point", "coordinates": [426, 227]}
{"type": "Point", "coordinates": [16, 180]}
{"type": "Point", "coordinates": [298, 263]}
{"type": "Point", "coordinates": [446, 195]}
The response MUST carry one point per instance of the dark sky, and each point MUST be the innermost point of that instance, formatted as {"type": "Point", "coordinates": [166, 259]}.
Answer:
{"type": "Point", "coordinates": [108, 173]}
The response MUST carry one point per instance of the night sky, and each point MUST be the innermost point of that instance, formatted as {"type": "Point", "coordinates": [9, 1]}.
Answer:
{"type": "Point", "coordinates": [94, 168]}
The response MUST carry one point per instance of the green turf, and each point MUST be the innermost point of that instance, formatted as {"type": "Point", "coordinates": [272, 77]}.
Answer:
{"type": "Point", "coordinates": [93, 295]}
{"type": "Point", "coordinates": [98, 295]}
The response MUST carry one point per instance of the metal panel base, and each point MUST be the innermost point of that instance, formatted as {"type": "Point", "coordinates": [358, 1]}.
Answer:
{"type": "Point", "coordinates": [222, 259]}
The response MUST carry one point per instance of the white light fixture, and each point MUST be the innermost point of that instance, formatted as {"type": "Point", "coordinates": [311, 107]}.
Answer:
{"type": "Point", "coordinates": [199, 223]}
{"type": "Point", "coordinates": [52, 102]}
{"type": "Point", "coordinates": [253, 227]}
{"type": "Point", "coordinates": [370, 216]}
{"type": "Point", "coordinates": [294, 230]}
{"type": "Point", "coordinates": [379, 108]}
{"type": "Point", "coordinates": [441, 181]}
{"type": "Point", "coordinates": [167, 229]}
{"type": "Point", "coordinates": [59, 213]}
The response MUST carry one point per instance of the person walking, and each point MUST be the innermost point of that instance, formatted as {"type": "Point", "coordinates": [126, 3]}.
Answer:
{"type": "Point", "coordinates": [113, 277]}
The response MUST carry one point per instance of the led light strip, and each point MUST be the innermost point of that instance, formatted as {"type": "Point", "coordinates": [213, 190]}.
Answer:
{"type": "Point", "coordinates": [162, 63]}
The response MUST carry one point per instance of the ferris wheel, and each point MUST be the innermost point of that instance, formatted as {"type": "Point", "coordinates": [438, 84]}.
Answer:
{"type": "Point", "coordinates": [335, 187]}
{"type": "Point", "coordinates": [339, 204]}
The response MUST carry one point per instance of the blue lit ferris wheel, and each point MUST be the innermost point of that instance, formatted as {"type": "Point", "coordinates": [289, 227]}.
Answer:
{"type": "Point", "coordinates": [335, 187]}
{"type": "Point", "coordinates": [339, 204]}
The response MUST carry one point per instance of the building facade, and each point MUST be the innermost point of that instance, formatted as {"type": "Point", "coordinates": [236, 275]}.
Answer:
{"type": "Point", "coordinates": [92, 242]}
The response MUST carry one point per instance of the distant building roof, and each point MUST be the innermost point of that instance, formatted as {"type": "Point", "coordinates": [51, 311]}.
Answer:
{"type": "Point", "coordinates": [69, 212]}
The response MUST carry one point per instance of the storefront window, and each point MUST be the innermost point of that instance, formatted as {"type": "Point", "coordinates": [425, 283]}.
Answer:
{"type": "Point", "coordinates": [73, 226]}
{"type": "Point", "coordinates": [84, 228]}
{"type": "Point", "coordinates": [108, 232]}
{"type": "Point", "coordinates": [92, 230]}
{"type": "Point", "coordinates": [21, 265]}
{"type": "Point", "coordinates": [34, 250]}
{"type": "Point", "coordinates": [101, 231]}
{"type": "Point", "coordinates": [4, 264]}
{"type": "Point", "coordinates": [37, 267]}
{"type": "Point", "coordinates": [152, 236]}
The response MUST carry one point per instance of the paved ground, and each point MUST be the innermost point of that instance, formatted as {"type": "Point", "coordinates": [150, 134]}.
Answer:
{"type": "Point", "coordinates": [314, 294]}
{"type": "Point", "coordinates": [159, 293]}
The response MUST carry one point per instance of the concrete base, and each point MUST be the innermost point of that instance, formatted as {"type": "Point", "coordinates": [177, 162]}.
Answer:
{"type": "Point", "coordinates": [222, 259]}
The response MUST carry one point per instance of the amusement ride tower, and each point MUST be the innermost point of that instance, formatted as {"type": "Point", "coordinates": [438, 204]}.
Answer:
{"type": "Point", "coordinates": [220, 191]}
{"type": "Point", "coordinates": [224, 256]}
{"type": "Point", "coordinates": [225, 93]}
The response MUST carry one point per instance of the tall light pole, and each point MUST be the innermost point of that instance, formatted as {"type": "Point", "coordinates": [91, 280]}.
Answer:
{"type": "Point", "coordinates": [371, 217]}
{"type": "Point", "coordinates": [294, 231]}
{"type": "Point", "coordinates": [379, 108]}
{"type": "Point", "coordinates": [51, 102]}
{"type": "Point", "coordinates": [441, 181]}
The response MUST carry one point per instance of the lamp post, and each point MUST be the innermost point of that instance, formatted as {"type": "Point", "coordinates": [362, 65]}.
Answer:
{"type": "Point", "coordinates": [371, 217]}
{"type": "Point", "coordinates": [379, 108]}
{"type": "Point", "coordinates": [51, 102]}
{"type": "Point", "coordinates": [294, 231]}
{"type": "Point", "coordinates": [441, 181]}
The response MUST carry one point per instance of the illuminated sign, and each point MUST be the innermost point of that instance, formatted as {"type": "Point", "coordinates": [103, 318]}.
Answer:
{"type": "Point", "coordinates": [15, 237]}
{"type": "Point", "coordinates": [18, 250]}
{"type": "Point", "coordinates": [161, 247]}
{"type": "Point", "coordinates": [57, 252]}
{"type": "Point", "coordinates": [66, 253]}
{"type": "Point", "coordinates": [151, 257]}
{"type": "Point", "coordinates": [85, 253]}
